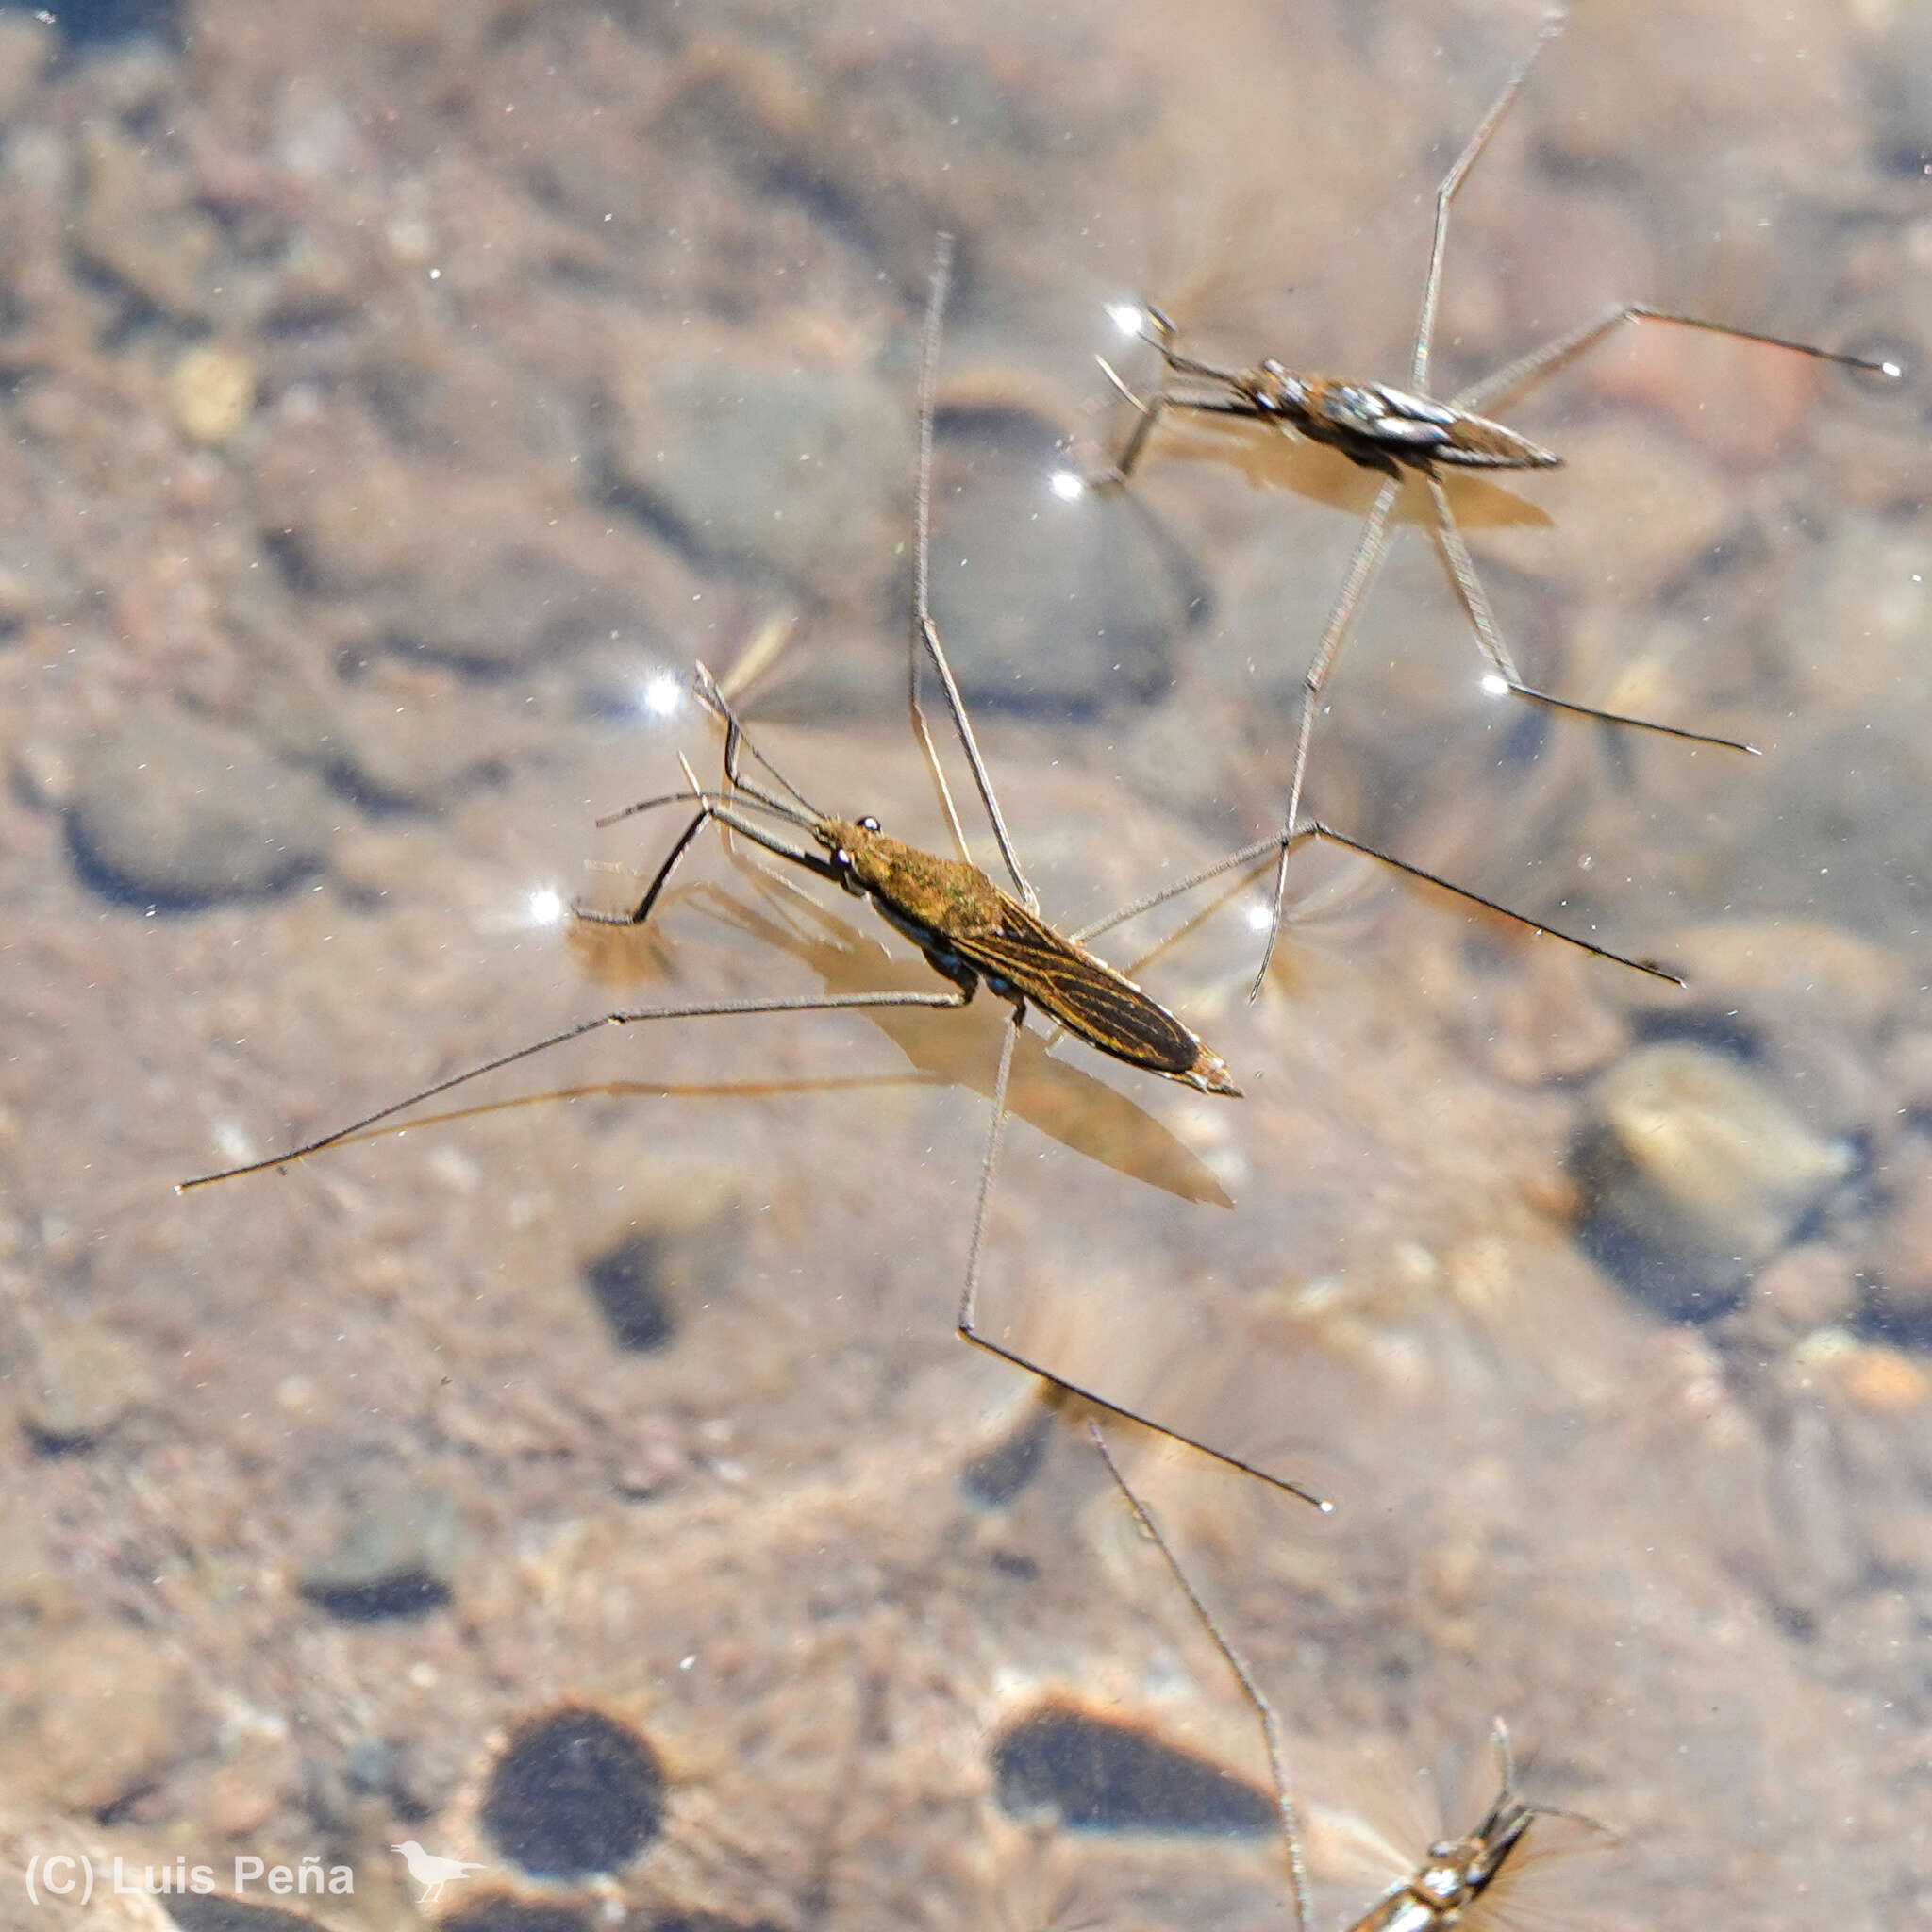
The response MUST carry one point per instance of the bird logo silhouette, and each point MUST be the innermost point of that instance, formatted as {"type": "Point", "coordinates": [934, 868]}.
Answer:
{"type": "Point", "coordinates": [431, 1873]}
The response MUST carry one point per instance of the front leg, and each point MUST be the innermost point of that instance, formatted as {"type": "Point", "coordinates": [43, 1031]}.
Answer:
{"type": "Point", "coordinates": [590, 914]}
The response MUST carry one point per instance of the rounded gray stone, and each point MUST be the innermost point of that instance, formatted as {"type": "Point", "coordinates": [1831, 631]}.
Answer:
{"type": "Point", "coordinates": [172, 812]}
{"type": "Point", "coordinates": [801, 472]}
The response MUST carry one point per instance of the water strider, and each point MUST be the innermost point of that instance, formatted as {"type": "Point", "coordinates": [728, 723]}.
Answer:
{"type": "Point", "coordinates": [1448, 1888]}
{"type": "Point", "coordinates": [970, 930]}
{"type": "Point", "coordinates": [1410, 433]}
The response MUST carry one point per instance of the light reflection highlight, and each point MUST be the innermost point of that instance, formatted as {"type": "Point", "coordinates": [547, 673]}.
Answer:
{"type": "Point", "coordinates": [661, 694]}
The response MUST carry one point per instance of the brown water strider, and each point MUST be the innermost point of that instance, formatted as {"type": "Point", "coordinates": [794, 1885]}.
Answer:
{"type": "Point", "coordinates": [970, 931]}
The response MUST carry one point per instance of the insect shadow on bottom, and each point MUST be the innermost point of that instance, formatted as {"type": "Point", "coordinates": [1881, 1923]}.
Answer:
{"type": "Point", "coordinates": [970, 931]}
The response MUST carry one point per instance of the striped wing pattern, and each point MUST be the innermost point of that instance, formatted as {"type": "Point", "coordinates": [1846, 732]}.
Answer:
{"type": "Point", "coordinates": [1085, 994]}
{"type": "Point", "coordinates": [1476, 443]}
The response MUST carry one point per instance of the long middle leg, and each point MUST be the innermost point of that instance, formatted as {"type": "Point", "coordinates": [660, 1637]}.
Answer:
{"type": "Point", "coordinates": [1554, 22]}
{"type": "Point", "coordinates": [1476, 604]}
{"type": "Point", "coordinates": [1250, 856]}
{"type": "Point", "coordinates": [1257, 1699]}
{"type": "Point", "coordinates": [1263, 849]}
{"type": "Point", "coordinates": [1369, 551]}
{"type": "Point", "coordinates": [966, 1323]}
{"type": "Point", "coordinates": [1549, 356]}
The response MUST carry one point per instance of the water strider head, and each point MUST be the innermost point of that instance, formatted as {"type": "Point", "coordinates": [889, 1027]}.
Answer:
{"type": "Point", "coordinates": [1457, 1870]}
{"type": "Point", "coordinates": [1276, 389]}
{"type": "Point", "coordinates": [921, 892]}
{"type": "Point", "coordinates": [855, 846]}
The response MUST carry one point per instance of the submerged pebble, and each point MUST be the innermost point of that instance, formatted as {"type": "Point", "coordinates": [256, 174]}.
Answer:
{"type": "Point", "coordinates": [671, 1259]}
{"type": "Point", "coordinates": [1693, 1174]}
{"type": "Point", "coordinates": [1051, 604]}
{"type": "Point", "coordinates": [100, 1716]}
{"type": "Point", "coordinates": [211, 391]}
{"type": "Point", "coordinates": [80, 1384]}
{"type": "Point", "coordinates": [1816, 970]}
{"type": "Point", "coordinates": [176, 813]}
{"type": "Point", "coordinates": [427, 560]}
{"type": "Point", "coordinates": [138, 221]}
{"type": "Point", "coordinates": [393, 749]}
{"type": "Point", "coordinates": [1885, 1381]}
{"type": "Point", "coordinates": [799, 472]}
{"type": "Point", "coordinates": [494, 597]}
{"type": "Point", "coordinates": [397, 1556]}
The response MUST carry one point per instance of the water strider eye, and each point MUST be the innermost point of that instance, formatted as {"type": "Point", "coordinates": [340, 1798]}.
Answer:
{"type": "Point", "coordinates": [868, 823]}
{"type": "Point", "coordinates": [848, 872]}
